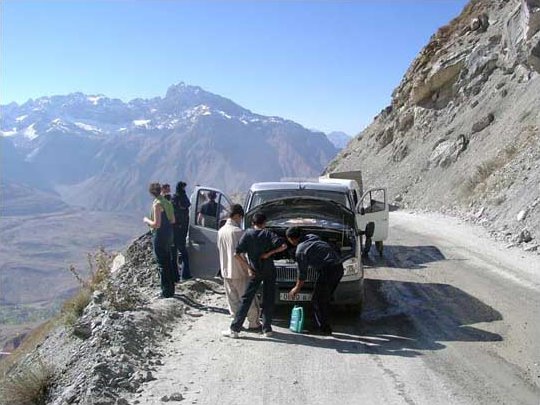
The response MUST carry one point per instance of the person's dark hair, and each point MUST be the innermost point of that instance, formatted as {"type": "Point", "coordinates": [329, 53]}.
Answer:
{"type": "Point", "coordinates": [155, 189]}
{"type": "Point", "coordinates": [293, 233]}
{"type": "Point", "coordinates": [212, 195]}
{"type": "Point", "coordinates": [180, 186]}
{"type": "Point", "coordinates": [258, 219]}
{"type": "Point", "coordinates": [236, 209]}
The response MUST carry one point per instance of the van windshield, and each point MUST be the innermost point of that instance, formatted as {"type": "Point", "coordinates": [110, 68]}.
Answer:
{"type": "Point", "coordinates": [260, 197]}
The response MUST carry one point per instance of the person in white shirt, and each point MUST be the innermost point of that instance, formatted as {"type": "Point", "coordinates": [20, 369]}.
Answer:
{"type": "Point", "coordinates": [235, 278]}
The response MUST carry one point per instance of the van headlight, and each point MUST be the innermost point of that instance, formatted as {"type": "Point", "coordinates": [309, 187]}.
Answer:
{"type": "Point", "coordinates": [351, 267]}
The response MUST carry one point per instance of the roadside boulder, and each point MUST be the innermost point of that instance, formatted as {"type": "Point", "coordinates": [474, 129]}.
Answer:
{"type": "Point", "coordinates": [82, 329]}
{"type": "Point", "coordinates": [406, 122]}
{"type": "Point", "coordinates": [524, 236]}
{"type": "Point", "coordinates": [522, 215]}
{"type": "Point", "coordinates": [118, 262]}
{"type": "Point", "coordinates": [480, 23]}
{"type": "Point", "coordinates": [483, 123]}
{"type": "Point", "coordinates": [445, 152]}
{"type": "Point", "coordinates": [385, 138]}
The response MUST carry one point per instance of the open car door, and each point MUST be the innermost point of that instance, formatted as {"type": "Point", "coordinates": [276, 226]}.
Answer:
{"type": "Point", "coordinates": [373, 207]}
{"type": "Point", "coordinates": [209, 210]}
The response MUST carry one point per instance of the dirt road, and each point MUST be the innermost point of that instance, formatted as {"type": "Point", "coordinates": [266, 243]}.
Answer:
{"type": "Point", "coordinates": [450, 318]}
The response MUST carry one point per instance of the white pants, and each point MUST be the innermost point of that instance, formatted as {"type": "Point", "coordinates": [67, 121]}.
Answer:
{"type": "Point", "coordinates": [234, 289]}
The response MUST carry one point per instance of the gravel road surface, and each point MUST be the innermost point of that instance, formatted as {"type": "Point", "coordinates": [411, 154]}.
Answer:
{"type": "Point", "coordinates": [451, 317]}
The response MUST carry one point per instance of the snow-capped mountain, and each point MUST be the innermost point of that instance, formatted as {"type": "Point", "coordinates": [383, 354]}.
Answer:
{"type": "Point", "coordinates": [100, 152]}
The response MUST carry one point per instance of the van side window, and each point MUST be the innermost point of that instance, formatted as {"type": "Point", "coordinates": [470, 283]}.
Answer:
{"type": "Point", "coordinates": [213, 209]}
{"type": "Point", "coordinates": [374, 201]}
{"type": "Point", "coordinates": [224, 210]}
{"type": "Point", "coordinates": [207, 208]}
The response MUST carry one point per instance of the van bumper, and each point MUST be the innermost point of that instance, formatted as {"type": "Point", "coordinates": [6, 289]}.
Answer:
{"type": "Point", "coordinates": [347, 293]}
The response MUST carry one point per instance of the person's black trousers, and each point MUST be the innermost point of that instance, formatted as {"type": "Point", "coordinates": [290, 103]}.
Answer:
{"type": "Point", "coordinates": [327, 282]}
{"type": "Point", "coordinates": [162, 254]}
{"type": "Point", "coordinates": [269, 297]}
{"type": "Point", "coordinates": [180, 234]}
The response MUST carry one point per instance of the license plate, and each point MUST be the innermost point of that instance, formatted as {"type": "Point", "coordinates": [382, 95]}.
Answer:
{"type": "Point", "coordinates": [299, 297]}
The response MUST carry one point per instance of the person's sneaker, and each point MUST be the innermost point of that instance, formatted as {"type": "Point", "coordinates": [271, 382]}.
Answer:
{"type": "Point", "coordinates": [230, 333]}
{"type": "Point", "coordinates": [254, 329]}
{"type": "Point", "coordinates": [268, 333]}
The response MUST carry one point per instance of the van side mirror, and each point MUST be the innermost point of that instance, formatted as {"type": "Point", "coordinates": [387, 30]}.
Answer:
{"type": "Point", "coordinates": [370, 229]}
{"type": "Point", "coordinates": [362, 211]}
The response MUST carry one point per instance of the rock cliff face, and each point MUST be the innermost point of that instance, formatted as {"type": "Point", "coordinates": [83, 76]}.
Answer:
{"type": "Point", "coordinates": [462, 131]}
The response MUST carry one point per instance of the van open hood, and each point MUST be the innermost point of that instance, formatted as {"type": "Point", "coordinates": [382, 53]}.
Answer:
{"type": "Point", "coordinates": [304, 211]}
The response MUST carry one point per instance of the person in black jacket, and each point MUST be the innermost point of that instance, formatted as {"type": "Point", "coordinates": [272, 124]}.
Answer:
{"type": "Point", "coordinates": [181, 204]}
{"type": "Point", "coordinates": [312, 251]}
{"type": "Point", "coordinates": [254, 253]}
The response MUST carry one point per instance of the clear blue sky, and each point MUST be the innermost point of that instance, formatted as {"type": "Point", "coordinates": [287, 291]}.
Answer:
{"type": "Point", "coordinates": [330, 65]}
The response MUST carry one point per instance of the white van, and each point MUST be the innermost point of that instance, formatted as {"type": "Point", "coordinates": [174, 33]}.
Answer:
{"type": "Point", "coordinates": [330, 209]}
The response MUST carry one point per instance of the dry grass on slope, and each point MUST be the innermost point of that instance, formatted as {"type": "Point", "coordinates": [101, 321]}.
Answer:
{"type": "Point", "coordinates": [29, 386]}
{"type": "Point", "coordinates": [476, 184]}
{"type": "Point", "coordinates": [99, 265]}
{"type": "Point", "coordinates": [487, 168]}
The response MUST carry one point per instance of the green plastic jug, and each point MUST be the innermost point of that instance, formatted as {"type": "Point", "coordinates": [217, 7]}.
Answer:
{"type": "Point", "coordinates": [297, 319]}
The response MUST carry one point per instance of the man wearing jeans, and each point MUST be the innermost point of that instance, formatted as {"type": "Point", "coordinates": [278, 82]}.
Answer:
{"type": "Point", "coordinates": [259, 244]}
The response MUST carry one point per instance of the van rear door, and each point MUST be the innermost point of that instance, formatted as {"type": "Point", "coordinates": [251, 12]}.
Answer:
{"type": "Point", "coordinates": [373, 207]}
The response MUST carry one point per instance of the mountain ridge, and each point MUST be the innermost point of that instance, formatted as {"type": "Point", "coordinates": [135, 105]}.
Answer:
{"type": "Point", "coordinates": [188, 134]}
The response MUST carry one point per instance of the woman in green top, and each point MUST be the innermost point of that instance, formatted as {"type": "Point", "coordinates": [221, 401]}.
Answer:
{"type": "Point", "coordinates": [160, 223]}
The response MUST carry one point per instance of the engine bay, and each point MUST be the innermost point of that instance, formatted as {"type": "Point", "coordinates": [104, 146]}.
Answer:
{"type": "Point", "coordinates": [344, 242]}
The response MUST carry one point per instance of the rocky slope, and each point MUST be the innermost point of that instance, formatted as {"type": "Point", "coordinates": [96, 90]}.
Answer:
{"type": "Point", "coordinates": [101, 153]}
{"type": "Point", "coordinates": [462, 132]}
{"type": "Point", "coordinates": [109, 349]}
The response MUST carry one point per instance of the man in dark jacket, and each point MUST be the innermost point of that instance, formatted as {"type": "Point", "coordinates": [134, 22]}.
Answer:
{"type": "Point", "coordinates": [181, 204]}
{"type": "Point", "coordinates": [312, 251]}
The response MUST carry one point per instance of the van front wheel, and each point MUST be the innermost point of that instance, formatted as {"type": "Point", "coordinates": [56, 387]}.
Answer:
{"type": "Point", "coordinates": [379, 246]}
{"type": "Point", "coordinates": [354, 309]}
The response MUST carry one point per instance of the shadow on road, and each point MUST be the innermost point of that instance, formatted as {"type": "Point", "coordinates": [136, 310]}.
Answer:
{"type": "Point", "coordinates": [190, 302]}
{"type": "Point", "coordinates": [405, 257]}
{"type": "Point", "coordinates": [402, 319]}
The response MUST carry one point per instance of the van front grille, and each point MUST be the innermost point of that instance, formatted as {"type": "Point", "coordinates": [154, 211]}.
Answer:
{"type": "Point", "coordinates": [287, 274]}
